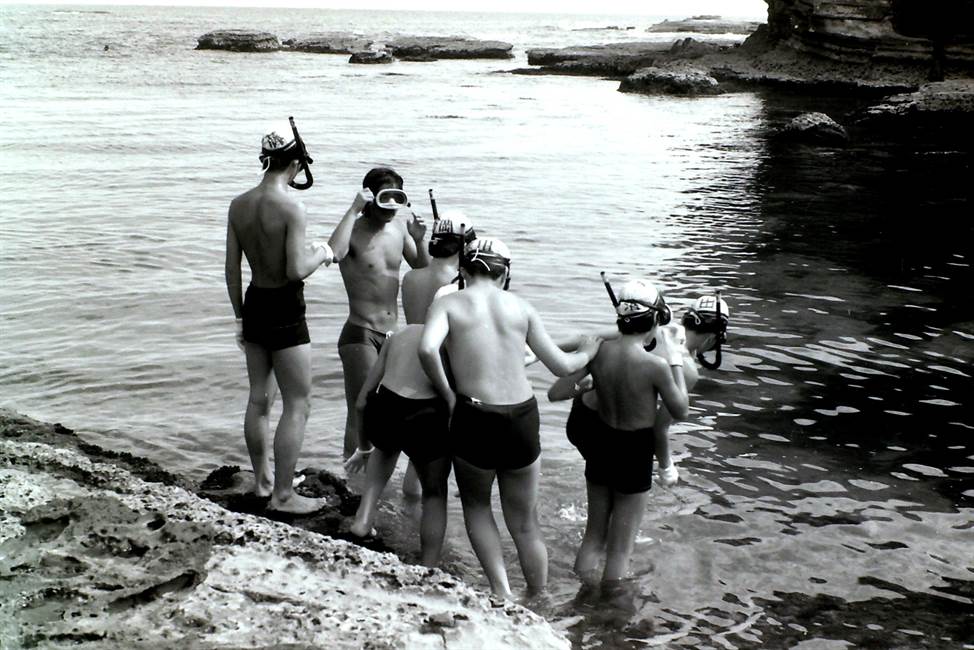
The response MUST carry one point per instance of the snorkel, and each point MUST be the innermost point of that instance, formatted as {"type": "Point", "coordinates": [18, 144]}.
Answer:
{"type": "Point", "coordinates": [436, 213]}
{"type": "Point", "coordinates": [303, 158]}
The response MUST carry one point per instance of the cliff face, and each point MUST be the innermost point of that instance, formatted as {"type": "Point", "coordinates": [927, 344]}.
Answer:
{"type": "Point", "coordinates": [877, 31]}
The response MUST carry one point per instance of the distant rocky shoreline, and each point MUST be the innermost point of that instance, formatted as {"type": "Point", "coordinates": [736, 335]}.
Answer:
{"type": "Point", "coordinates": [108, 550]}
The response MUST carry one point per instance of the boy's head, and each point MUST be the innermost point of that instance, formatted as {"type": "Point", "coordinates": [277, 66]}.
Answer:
{"type": "Point", "coordinates": [450, 233]}
{"type": "Point", "coordinates": [279, 149]}
{"type": "Point", "coordinates": [382, 181]}
{"type": "Point", "coordinates": [706, 326]}
{"type": "Point", "coordinates": [641, 308]}
{"type": "Point", "coordinates": [380, 178]}
{"type": "Point", "coordinates": [487, 257]}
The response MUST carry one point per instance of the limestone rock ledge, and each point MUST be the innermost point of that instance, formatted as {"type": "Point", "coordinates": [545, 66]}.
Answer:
{"type": "Point", "coordinates": [98, 553]}
{"type": "Point", "coordinates": [236, 40]}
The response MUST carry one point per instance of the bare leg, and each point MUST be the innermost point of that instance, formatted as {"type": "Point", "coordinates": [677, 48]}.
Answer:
{"type": "Point", "coordinates": [432, 528]}
{"type": "Point", "coordinates": [256, 425]}
{"type": "Point", "coordinates": [627, 514]}
{"type": "Point", "coordinates": [357, 360]}
{"type": "Point", "coordinates": [411, 486]}
{"type": "Point", "coordinates": [475, 485]}
{"type": "Point", "coordinates": [519, 501]}
{"type": "Point", "coordinates": [380, 468]}
{"type": "Point", "coordinates": [592, 548]}
{"type": "Point", "coordinates": [292, 367]}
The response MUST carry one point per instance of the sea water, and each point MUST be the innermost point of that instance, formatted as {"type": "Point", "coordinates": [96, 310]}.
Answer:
{"type": "Point", "coordinates": [826, 469]}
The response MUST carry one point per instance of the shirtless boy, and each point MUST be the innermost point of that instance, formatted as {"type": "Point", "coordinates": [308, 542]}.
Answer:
{"type": "Point", "coordinates": [369, 261]}
{"type": "Point", "coordinates": [398, 410]}
{"type": "Point", "coordinates": [615, 432]}
{"type": "Point", "coordinates": [267, 226]}
{"type": "Point", "coordinates": [494, 426]}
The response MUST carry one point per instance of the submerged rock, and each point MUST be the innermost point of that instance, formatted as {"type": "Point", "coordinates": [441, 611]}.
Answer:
{"type": "Point", "coordinates": [705, 25]}
{"type": "Point", "coordinates": [671, 79]}
{"type": "Point", "coordinates": [329, 43]}
{"type": "Point", "coordinates": [450, 47]}
{"type": "Point", "coordinates": [380, 56]}
{"type": "Point", "coordinates": [93, 556]}
{"type": "Point", "coordinates": [239, 41]}
{"type": "Point", "coordinates": [814, 128]}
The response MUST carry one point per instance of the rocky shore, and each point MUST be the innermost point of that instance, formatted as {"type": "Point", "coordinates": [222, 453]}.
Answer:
{"type": "Point", "coordinates": [107, 550]}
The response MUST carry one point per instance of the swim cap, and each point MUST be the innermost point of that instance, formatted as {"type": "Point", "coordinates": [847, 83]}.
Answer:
{"type": "Point", "coordinates": [487, 256]}
{"type": "Point", "coordinates": [446, 238]}
{"type": "Point", "coordinates": [641, 307]}
{"type": "Point", "coordinates": [709, 314]}
{"type": "Point", "coordinates": [278, 142]}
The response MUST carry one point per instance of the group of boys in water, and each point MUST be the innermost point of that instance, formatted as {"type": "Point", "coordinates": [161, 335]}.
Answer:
{"type": "Point", "coordinates": [450, 389]}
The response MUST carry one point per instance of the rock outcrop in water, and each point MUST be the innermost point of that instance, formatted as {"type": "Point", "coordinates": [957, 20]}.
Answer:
{"type": "Point", "coordinates": [407, 48]}
{"type": "Point", "coordinates": [239, 41]}
{"type": "Point", "coordinates": [814, 128]}
{"type": "Point", "coordinates": [104, 550]}
{"type": "Point", "coordinates": [679, 78]}
{"type": "Point", "coordinates": [705, 25]}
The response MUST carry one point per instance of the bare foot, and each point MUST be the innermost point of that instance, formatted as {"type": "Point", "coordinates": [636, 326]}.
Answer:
{"type": "Point", "coordinates": [297, 504]}
{"type": "Point", "coordinates": [362, 531]}
{"type": "Point", "coordinates": [262, 488]}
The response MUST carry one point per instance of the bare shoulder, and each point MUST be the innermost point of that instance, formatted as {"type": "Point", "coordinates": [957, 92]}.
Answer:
{"type": "Point", "coordinates": [654, 365]}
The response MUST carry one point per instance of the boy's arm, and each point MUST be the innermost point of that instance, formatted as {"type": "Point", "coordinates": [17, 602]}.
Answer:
{"type": "Point", "coordinates": [341, 237]}
{"type": "Point", "coordinates": [232, 271]}
{"type": "Point", "coordinates": [571, 386]}
{"type": "Point", "coordinates": [558, 362]}
{"type": "Point", "coordinates": [413, 250]}
{"type": "Point", "coordinates": [302, 260]}
{"type": "Point", "coordinates": [435, 331]}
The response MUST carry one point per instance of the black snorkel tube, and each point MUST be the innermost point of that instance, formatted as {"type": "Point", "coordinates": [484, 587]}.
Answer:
{"type": "Point", "coordinates": [302, 158]}
{"type": "Point", "coordinates": [436, 213]}
{"type": "Point", "coordinates": [608, 288]}
{"type": "Point", "coordinates": [721, 336]}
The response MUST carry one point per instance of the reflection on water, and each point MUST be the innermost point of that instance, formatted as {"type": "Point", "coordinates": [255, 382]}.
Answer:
{"type": "Point", "coordinates": [827, 468]}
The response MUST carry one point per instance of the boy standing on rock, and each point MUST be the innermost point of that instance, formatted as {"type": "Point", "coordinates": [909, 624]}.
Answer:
{"type": "Point", "coordinates": [267, 226]}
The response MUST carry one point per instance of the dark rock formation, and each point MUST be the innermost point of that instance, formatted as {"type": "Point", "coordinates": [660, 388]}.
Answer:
{"type": "Point", "coordinates": [671, 79]}
{"type": "Point", "coordinates": [380, 56]}
{"type": "Point", "coordinates": [450, 47]}
{"type": "Point", "coordinates": [95, 557]}
{"type": "Point", "coordinates": [609, 60]}
{"type": "Point", "coordinates": [814, 128]}
{"type": "Point", "coordinates": [239, 41]}
{"type": "Point", "coordinates": [329, 43]}
{"type": "Point", "coordinates": [705, 25]}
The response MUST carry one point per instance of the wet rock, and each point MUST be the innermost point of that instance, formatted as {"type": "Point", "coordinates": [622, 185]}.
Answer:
{"type": "Point", "coordinates": [705, 24]}
{"type": "Point", "coordinates": [944, 97]}
{"type": "Point", "coordinates": [239, 41]}
{"type": "Point", "coordinates": [94, 556]}
{"type": "Point", "coordinates": [690, 48]}
{"type": "Point", "coordinates": [451, 47]}
{"type": "Point", "coordinates": [329, 43]}
{"type": "Point", "coordinates": [369, 57]}
{"type": "Point", "coordinates": [814, 128]}
{"type": "Point", "coordinates": [671, 79]}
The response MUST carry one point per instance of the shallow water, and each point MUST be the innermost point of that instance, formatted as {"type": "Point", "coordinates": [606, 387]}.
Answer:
{"type": "Point", "coordinates": [826, 488]}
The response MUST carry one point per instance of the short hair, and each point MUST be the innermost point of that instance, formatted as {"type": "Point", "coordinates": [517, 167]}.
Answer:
{"type": "Point", "coordinates": [278, 163]}
{"type": "Point", "coordinates": [379, 176]}
{"type": "Point", "coordinates": [637, 323]}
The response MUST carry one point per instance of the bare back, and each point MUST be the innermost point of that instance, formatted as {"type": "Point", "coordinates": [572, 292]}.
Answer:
{"type": "Point", "coordinates": [623, 376]}
{"type": "Point", "coordinates": [488, 331]}
{"type": "Point", "coordinates": [403, 373]}
{"type": "Point", "coordinates": [259, 218]}
{"type": "Point", "coordinates": [370, 272]}
{"type": "Point", "coordinates": [419, 286]}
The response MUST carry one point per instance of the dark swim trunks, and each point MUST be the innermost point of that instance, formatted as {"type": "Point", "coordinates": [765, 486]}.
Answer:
{"type": "Point", "coordinates": [358, 335]}
{"type": "Point", "coordinates": [274, 317]}
{"type": "Point", "coordinates": [418, 427]}
{"type": "Point", "coordinates": [499, 437]}
{"type": "Point", "coordinates": [621, 460]}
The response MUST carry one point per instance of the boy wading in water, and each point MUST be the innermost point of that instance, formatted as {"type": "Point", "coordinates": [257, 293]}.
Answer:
{"type": "Point", "coordinates": [614, 432]}
{"type": "Point", "coordinates": [494, 426]}
{"type": "Point", "coordinates": [267, 225]}
{"type": "Point", "coordinates": [399, 411]}
{"type": "Point", "coordinates": [369, 262]}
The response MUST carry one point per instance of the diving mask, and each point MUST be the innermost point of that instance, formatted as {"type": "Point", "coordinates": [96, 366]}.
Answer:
{"type": "Point", "coordinates": [391, 199]}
